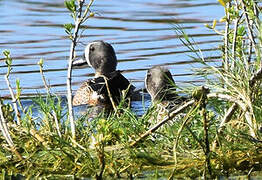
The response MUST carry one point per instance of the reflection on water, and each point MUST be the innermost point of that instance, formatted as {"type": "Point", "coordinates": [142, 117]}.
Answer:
{"type": "Point", "coordinates": [142, 33]}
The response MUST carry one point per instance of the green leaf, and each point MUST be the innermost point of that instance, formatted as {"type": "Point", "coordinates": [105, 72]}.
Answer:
{"type": "Point", "coordinates": [241, 31]}
{"type": "Point", "coordinates": [8, 59]}
{"type": "Point", "coordinates": [208, 26]}
{"type": "Point", "coordinates": [70, 5]}
{"type": "Point", "coordinates": [6, 53]}
{"type": "Point", "coordinates": [224, 2]}
{"type": "Point", "coordinates": [68, 28]}
{"type": "Point", "coordinates": [214, 24]}
{"type": "Point", "coordinates": [40, 62]}
{"type": "Point", "coordinates": [73, 5]}
{"type": "Point", "coordinates": [18, 88]}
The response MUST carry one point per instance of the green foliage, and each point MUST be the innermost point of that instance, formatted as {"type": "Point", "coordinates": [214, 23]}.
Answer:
{"type": "Point", "coordinates": [8, 61]}
{"type": "Point", "coordinates": [18, 89]}
{"type": "Point", "coordinates": [8, 112]}
{"type": "Point", "coordinates": [177, 149]}
{"type": "Point", "coordinates": [68, 29]}
{"type": "Point", "coordinates": [70, 5]}
{"type": "Point", "coordinates": [50, 107]}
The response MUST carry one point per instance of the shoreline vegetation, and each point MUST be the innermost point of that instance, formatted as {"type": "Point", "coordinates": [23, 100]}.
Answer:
{"type": "Point", "coordinates": [218, 132]}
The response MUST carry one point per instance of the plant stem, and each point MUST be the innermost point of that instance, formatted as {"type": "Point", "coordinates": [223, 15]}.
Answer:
{"type": "Point", "coordinates": [109, 94]}
{"type": "Point", "coordinates": [79, 20]}
{"type": "Point", "coordinates": [69, 71]}
{"type": "Point", "coordinates": [243, 106]}
{"type": "Point", "coordinates": [175, 111]}
{"type": "Point", "coordinates": [14, 100]}
{"type": "Point", "coordinates": [172, 114]}
{"type": "Point", "coordinates": [227, 116]}
{"type": "Point", "coordinates": [255, 77]}
{"type": "Point", "coordinates": [101, 158]}
{"type": "Point", "coordinates": [226, 41]}
{"type": "Point", "coordinates": [43, 77]}
{"type": "Point", "coordinates": [6, 134]}
{"type": "Point", "coordinates": [235, 42]}
{"type": "Point", "coordinates": [249, 28]}
{"type": "Point", "coordinates": [56, 123]}
{"type": "Point", "coordinates": [184, 124]}
{"type": "Point", "coordinates": [205, 126]}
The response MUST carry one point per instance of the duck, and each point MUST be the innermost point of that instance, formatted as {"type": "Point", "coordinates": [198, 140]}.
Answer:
{"type": "Point", "coordinates": [160, 85]}
{"type": "Point", "coordinates": [108, 86]}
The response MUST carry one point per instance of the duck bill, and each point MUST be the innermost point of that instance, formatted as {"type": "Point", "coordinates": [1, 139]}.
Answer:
{"type": "Point", "coordinates": [79, 62]}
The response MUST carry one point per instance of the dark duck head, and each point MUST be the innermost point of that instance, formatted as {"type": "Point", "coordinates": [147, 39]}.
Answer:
{"type": "Point", "coordinates": [100, 56]}
{"type": "Point", "coordinates": [160, 84]}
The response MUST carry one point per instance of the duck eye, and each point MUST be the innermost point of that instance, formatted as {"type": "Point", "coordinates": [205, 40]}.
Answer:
{"type": "Point", "coordinates": [92, 48]}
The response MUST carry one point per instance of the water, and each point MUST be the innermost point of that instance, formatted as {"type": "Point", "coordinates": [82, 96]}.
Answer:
{"type": "Point", "coordinates": [141, 32]}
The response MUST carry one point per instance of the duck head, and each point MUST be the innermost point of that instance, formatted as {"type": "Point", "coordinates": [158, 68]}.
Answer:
{"type": "Point", "coordinates": [159, 83]}
{"type": "Point", "coordinates": [99, 55]}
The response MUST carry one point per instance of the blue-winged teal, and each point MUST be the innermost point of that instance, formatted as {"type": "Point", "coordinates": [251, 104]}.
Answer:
{"type": "Point", "coordinates": [160, 84]}
{"type": "Point", "coordinates": [101, 56]}
{"type": "Point", "coordinates": [161, 87]}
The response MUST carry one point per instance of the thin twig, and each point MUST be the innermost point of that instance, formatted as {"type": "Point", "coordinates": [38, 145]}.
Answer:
{"type": "Point", "coordinates": [203, 104]}
{"type": "Point", "coordinates": [226, 39]}
{"type": "Point", "coordinates": [56, 124]}
{"type": "Point", "coordinates": [8, 61]}
{"type": "Point", "coordinates": [184, 124]}
{"type": "Point", "coordinates": [6, 134]}
{"type": "Point", "coordinates": [250, 48]}
{"type": "Point", "coordinates": [42, 75]}
{"type": "Point", "coordinates": [76, 144]}
{"type": "Point", "coordinates": [227, 116]}
{"type": "Point", "coordinates": [172, 114]}
{"type": "Point", "coordinates": [85, 17]}
{"type": "Point", "coordinates": [248, 116]}
{"type": "Point", "coordinates": [235, 41]}
{"type": "Point", "coordinates": [109, 93]}
{"type": "Point", "coordinates": [69, 71]}
{"type": "Point", "coordinates": [4, 127]}
{"type": "Point", "coordinates": [14, 100]}
{"type": "Point", "coordinates": [255, 77]}
{"type": "Point", "coordinates": [81, 18]}
{"type": "Point", "coordinates": [235, 37]}
{"type": "Point", "coordinates": [249, 28]}
{"type": "Point", "coordinates": [256, 13]}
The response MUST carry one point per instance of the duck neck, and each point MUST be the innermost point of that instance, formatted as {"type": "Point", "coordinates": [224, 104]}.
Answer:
{"type": "Point", "coordinates": [99, 74]}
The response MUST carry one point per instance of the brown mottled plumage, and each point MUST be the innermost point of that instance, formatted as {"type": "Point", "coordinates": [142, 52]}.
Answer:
{"type": "Point", "coordinates": [86, 95]}
{"type": "Point", "coordinates": [94, 92]}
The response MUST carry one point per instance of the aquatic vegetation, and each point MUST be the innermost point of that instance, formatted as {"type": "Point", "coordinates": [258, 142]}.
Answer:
{"type": "Point", "coordinates": [217, 132]}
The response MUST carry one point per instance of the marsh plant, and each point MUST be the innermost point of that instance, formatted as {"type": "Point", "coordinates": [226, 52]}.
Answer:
{"type": "Point", "coordinates": [217, 131]}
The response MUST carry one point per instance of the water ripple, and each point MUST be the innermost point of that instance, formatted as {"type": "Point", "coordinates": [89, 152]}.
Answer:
{"type": "Point", "coordinates": [142, 33]}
